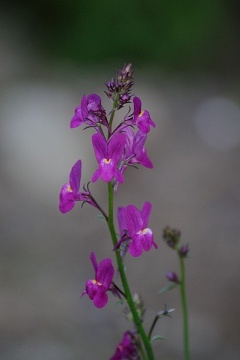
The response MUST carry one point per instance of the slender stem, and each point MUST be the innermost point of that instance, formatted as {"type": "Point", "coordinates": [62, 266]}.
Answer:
{"type": "Point", "coordinates": [119, 290]}
{"type": "Point", "coordinates": [115, 103]}
{"type": "Point", "coordinates": [141, 348]}
{"type": "Point", "coordinates": [99, 208]}
{"type": "Point", "coordinates": [184, 310]}
{"type": "Point", "coordinates": [137, 320]}
{"type": "Point", "coordinates": [153, 325]}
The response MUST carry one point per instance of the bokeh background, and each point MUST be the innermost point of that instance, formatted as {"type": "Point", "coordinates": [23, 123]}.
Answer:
{"type": "Point", "coordinates": [186, 59]}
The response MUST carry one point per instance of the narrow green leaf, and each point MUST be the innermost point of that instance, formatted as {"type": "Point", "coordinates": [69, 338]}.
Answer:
{"type": "Point", "coordinates": [167, 288]}
{"type": "Point", "coordinates": [157, 337]}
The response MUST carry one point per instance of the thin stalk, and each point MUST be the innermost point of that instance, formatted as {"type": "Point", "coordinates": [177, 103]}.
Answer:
{"type": "Point", "coordinates": [115, 103]}
{"type": "Point", "coordinates": [141, 348]}
{"type": "Point", "coordinates": [184, 310]}
{"type": "Point", "coordinates": [152, 327]}
{"type": "Point", "coordinates": [137, 320]}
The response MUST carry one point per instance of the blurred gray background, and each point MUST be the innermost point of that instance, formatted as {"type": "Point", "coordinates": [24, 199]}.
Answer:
{"type": "Point", "coordinates": [186, 60]}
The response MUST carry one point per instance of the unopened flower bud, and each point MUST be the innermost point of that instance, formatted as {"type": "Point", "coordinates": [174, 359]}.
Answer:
{"type": "Point", "coordinates": [183, 251]}
{"type": "Point", "coordinates": [172, 276]}
{"type": "Point", "coordinates": [120, 87]}
{"type": "Point", "coordinates": [171, 236]}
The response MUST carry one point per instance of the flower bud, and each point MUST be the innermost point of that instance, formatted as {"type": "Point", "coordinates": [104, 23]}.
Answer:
{"type": "Point", "coordinates": [171, 236]}
{"type": "Point", "coordinates": [120, 87]}
{"type": "Point", "coordinates": [172, 276]}
{"type": "Point", "coordinates": [183, 251]}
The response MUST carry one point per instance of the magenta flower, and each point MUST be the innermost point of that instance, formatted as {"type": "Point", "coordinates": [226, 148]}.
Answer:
{"type": "Point", "coordinates": [135, 152]}
{"type": "Point", "coordinates": [133, 223]}
{"type": "Point", "coordinates": [70, 192]}
{"type": "Point", "coordinates": [108, 154]}
{"type": "Point", "coordinates": [90, 112]}
{"type": "Point", "coordinates": [97, 288]}
{"type": "Point", "coordinates": [127, 349]}
{"type": "Point", "coordinates": [141, 117]}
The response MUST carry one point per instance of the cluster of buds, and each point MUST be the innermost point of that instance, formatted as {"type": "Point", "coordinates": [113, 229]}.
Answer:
{"type": "Point", "coordinates": [119, 88]}
{"type": "Point", "coordinates": [171, 236]}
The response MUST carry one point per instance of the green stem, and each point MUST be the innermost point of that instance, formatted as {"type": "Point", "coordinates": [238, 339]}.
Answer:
{"type": "Point", "coordinates": [153, 325]}
{"type": "Point", "coordinates": [115, 103]}
{"type": "Point", "coordinates": [184, 310]}
{"type": "Point", "coordinates": [141, 349]}
{"type": "Point", "coordinates": [136, 318]}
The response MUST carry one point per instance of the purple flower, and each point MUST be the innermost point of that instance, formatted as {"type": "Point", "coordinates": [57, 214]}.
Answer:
{"type": "Point", "coordinates": [90, 112]}
{"type": "Point", "coordinates": [141, 117]}
{"type": "Point", "coordinates": [108, 154]}
{"type": "Point", "coordinates": [97, 288]}
{"type": "Point", "coordinates": [135, 152]}
{"type": "Point", "coordinates": [127, 348]}
{"type": "Point", "coordinates": [70, 192]}
{"type": "Point", "coordinates": [133, 223]}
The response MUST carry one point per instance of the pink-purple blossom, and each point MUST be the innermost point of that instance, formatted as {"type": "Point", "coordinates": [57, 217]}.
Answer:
{"type": "Point", "coordinates": [108, 154]}
{"type": "Point", "coordinates": [90, 112]}
{"type": "Point", "coordinates": [133, 225]}
{"type": "Point", "coordinates": [127, 349]}
{"type": "Point", "coordinates": [135, 152]}
{"type": "Point", "coordinates": [141, 117]}
{"type": "Point", "coordinates": [70, 193]}
{"type": "Point", "coordinates": [97, 288]}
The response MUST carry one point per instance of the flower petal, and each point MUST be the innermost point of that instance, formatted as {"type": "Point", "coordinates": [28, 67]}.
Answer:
{"type": "Point", "coordinates": [94, 262]}
{"type": "Point", "coordinates": [91, 288]}
{"type": "Point", "coordinates": [145, 213]}
{"type": "Point", "coordinates": [66, 199]}
{"type": "Point", "coordinates": [135, 248]}
{"type": "Point", "coordinates": [107, 168]}
{"type": "Point", "coordinates": [147, 239]}
{"type": "Point", "coordinates": [100, 146]}
{"type": "Point", "coordinates": [119, 176]}
{"type": "Point", "coordinates": [96, 175]}
{"type": "Point", "coordinates": [144, 160]}
{"type": "Point", "coordinates": [77, 119]}
{"type": "Point", "coordinates": [137, 106]}
{"type": "Point", "coordinates": [116, 146]}
{"type": "Point", "coordinates": [81, 114]}
{"type": "Point", "coordinates": [133, 220]}
{"type": "Point", "coordinates": [75, 177]}
{"type": "Point", "coordinates": [100, 300]}
{"type": "Point", "coordinates": [94, 102]}
{"type": "Point", "coordinates": [105, 273]}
